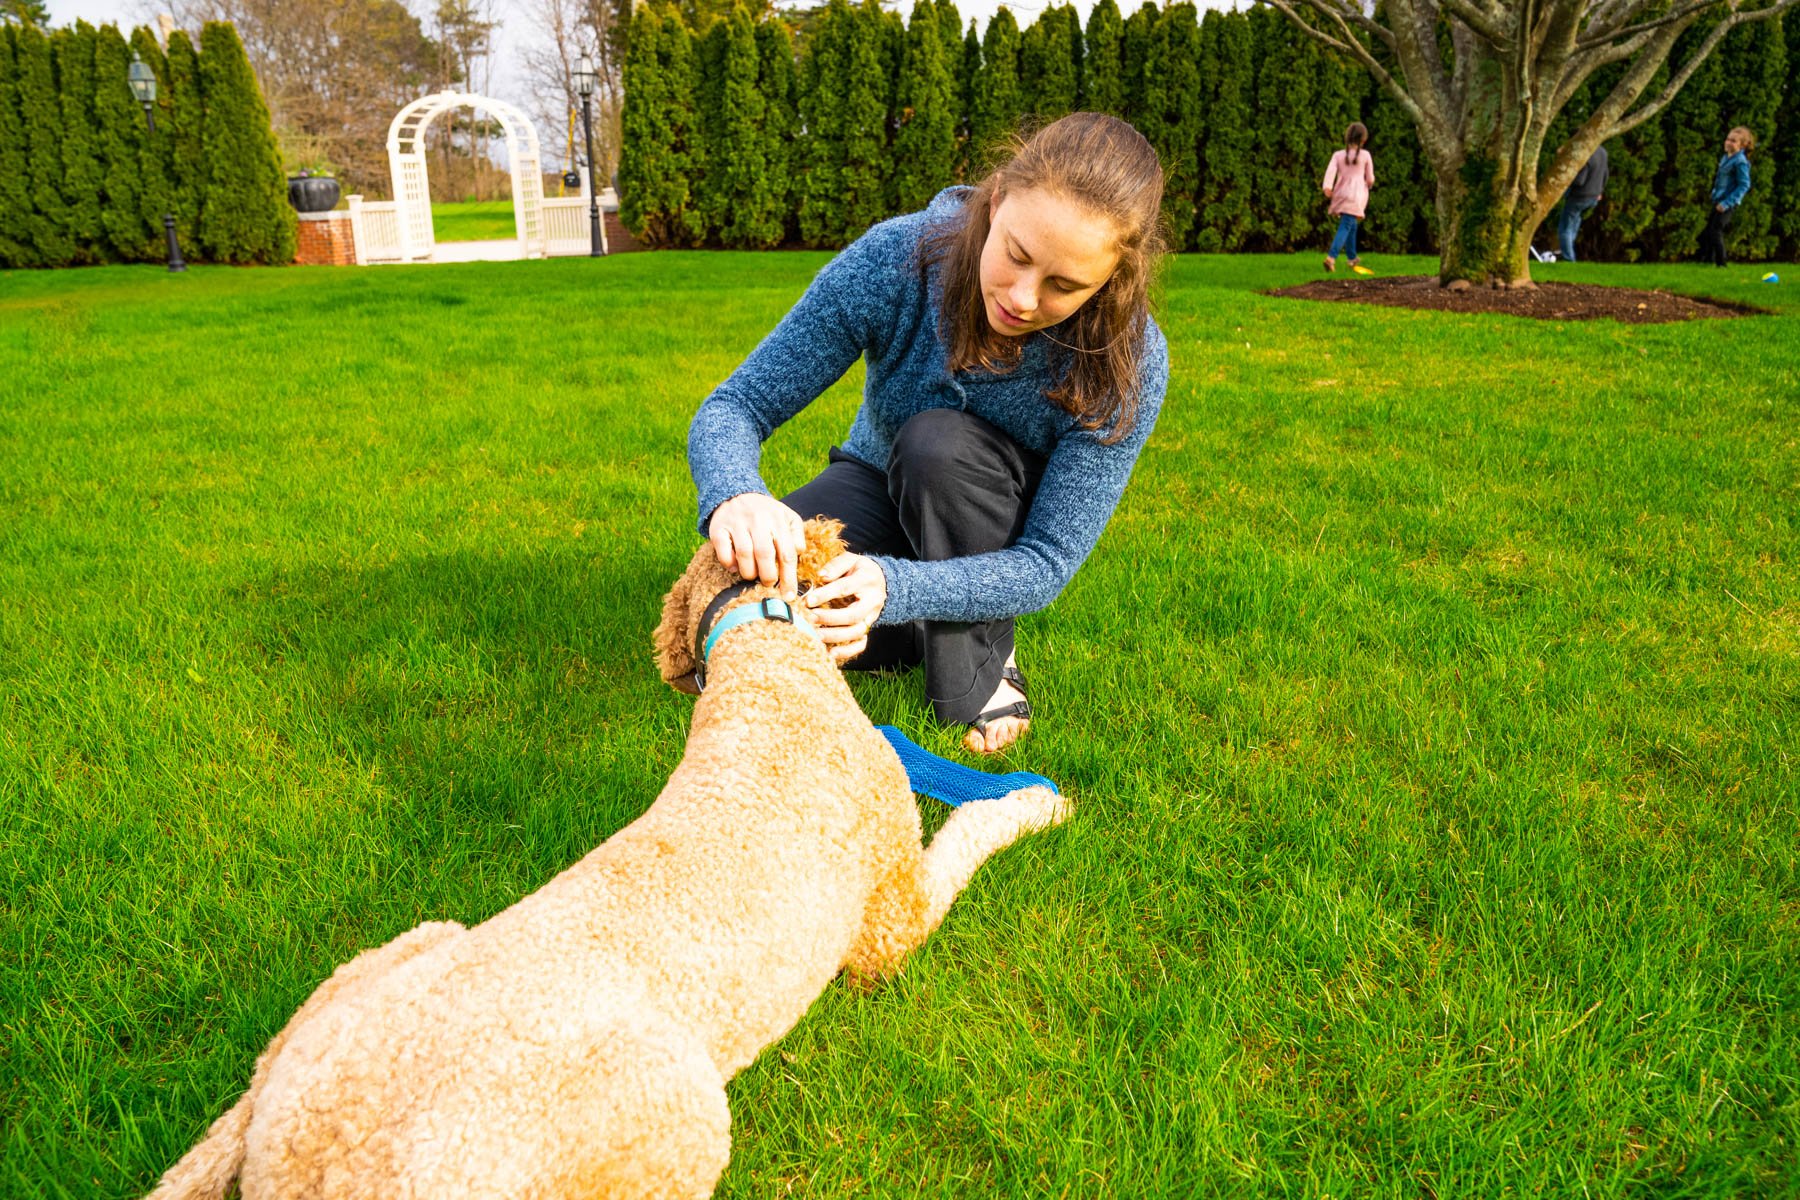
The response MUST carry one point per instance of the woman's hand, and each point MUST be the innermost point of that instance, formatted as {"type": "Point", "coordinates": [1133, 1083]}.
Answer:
{"type": "Point", "coordinates": [845, 631]}
{"type": "Point", "coordinates": [760, 538]}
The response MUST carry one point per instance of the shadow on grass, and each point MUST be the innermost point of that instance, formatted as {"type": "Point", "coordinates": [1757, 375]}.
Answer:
{"type": "Point", "coordinates": [484, 690]}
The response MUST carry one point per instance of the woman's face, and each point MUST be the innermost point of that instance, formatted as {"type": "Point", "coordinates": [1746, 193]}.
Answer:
{"type": "Point", "coordinates": [1045, 256]}
{"type": "Point", "coordinates": [1733, 143]}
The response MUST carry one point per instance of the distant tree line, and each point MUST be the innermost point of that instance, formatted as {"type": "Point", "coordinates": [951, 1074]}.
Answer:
{"type": "Point", "coordinates": [81, 179]}
{"type": "Point", "coordinates": [783, 128]}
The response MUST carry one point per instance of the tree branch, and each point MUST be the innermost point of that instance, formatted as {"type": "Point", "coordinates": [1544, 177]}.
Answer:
{"type": "Point", "coordinates": [1591, 38]}
{"type": "Point", "coordinates": [1485, 22]}
{"type": "Point", "coordinates": [1713, 38]}
{"type": "Point", "coordinates": [1350, 45]}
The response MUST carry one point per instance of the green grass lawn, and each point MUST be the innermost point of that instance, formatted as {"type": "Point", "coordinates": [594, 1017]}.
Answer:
{"type": "Point", "coordinates": [1431, 706]}
{"type": "Point", "coordinates": [473, 221]}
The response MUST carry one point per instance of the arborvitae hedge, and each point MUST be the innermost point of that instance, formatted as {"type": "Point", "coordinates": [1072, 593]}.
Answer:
{"type": "Point", "coordinates": [1175, 126]}
{"type": "Point", "coordinates": [84, 182]}
{"type": "Point", "coordinates": [1102, 84]}
{"type": "Point", "coordinates": [998, 103]}
{"type": "Point", "coordinates": [1048, 75]}
{"type": "Point", "coordinates": [17, 246]}
{"type": "Point", "coordinates": [1244, 110]}
{"type": "Point", "coordinates": [925, 140]}
{"type": "Point", "coordinates": [1227, 92]}
{"type": "Point", "coordinates": [73, 47]}
{"type": "Point", "coordinates": [247, 217]}
{"type": "Point", "coordinates": [122, 132]}
{"type": "Point", "coordinates": [781, 120]}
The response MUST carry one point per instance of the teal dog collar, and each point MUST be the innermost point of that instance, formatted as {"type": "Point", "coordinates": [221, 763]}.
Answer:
{"type": "Point", "coordinates": [771, 609]}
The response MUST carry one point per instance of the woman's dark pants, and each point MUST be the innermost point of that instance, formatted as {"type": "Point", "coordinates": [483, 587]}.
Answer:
{"type": "Point", "coordinates": [1712, 242]}
{"type": "Point", "coordinates": [954, 486]}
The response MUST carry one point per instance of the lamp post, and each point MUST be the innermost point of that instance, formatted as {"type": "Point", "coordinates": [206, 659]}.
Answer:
{"type": "Point", "coordinates": [143, 86]}
{"type": "Point", "coordinates": [584, 84]}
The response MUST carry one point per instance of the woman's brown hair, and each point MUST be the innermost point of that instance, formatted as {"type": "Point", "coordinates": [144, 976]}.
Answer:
{"type": "Point", "coordinates": [1109, 169]}
{"type": "Point", "coordinates": [1355, 138]}
{"type": "Point", "coordinates": [1745, 138]}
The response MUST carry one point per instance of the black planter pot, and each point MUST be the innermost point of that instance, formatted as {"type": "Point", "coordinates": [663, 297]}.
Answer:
{"type": "Point", "coordinates": [313, 193]}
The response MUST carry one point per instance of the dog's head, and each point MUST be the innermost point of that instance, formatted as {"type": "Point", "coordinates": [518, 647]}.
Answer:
{"type": "Point", "coordinates": [685, 605]}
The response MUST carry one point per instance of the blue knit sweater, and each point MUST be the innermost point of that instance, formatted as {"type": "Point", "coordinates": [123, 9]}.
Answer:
{"type": "Point", "coordinates": [872, 301]}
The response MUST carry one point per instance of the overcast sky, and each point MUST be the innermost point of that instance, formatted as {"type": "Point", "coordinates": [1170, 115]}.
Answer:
{"type": "Point", "coordinates": [515, 29]}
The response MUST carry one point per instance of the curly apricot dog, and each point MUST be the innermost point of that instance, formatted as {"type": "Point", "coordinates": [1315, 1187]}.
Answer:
{"type": "Point", "coordinates": [578, 1044]}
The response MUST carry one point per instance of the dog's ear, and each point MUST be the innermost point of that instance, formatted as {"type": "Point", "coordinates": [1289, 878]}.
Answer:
{"type": "Point", "coordinates": [824, 542]}
{"type": "Point", "coordinates": [674, 640]}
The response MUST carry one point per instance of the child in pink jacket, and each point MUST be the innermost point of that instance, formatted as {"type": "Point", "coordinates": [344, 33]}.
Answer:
{"type": "Point", "coordinates": [1347, 183]}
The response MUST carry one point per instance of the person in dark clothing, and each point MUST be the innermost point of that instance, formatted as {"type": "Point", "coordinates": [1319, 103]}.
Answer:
{"type": "Point", "coordinates": [1731, 183]}
{"type": "Point", "coordinates": [1579, 200]}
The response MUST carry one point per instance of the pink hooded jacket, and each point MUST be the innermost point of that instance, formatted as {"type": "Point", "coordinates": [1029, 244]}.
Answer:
{"type": "Point", "coordinates": [1348, 182]}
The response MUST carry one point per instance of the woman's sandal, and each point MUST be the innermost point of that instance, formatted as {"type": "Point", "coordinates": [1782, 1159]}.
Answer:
{"type": "Point", "coordinates": [1020, 709]}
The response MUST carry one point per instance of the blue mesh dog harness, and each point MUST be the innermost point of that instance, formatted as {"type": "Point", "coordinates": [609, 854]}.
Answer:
{"type": "Point", "coordinates": [951, 782]}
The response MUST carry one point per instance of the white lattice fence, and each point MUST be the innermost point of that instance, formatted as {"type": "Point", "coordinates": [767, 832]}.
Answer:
{"type": "Point", "coordinates": [376, 227]}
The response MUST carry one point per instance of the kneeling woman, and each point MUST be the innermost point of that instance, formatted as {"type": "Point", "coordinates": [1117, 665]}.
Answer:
{"type": "Point", "coordinates": [1014, 373]}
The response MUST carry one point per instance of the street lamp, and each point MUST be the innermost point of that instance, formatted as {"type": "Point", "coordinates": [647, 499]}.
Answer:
{"type": "Point", "coordinates": [143, 86]}
{"type": "Point", "coordinates": [584, 84]}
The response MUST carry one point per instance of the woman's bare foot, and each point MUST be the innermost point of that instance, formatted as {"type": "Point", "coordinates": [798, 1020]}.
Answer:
{"type": "Point", "coordinates": [1000, 732]}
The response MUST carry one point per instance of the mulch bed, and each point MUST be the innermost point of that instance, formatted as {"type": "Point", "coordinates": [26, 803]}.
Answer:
{"type": "Point", "coordinates": [1546, 302]}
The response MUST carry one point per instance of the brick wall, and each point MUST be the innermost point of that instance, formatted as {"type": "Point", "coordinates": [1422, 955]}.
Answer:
{"type": "Point", "coordinates": [618, 238]}
{"type": "Point", "coordinates": [326, 240]}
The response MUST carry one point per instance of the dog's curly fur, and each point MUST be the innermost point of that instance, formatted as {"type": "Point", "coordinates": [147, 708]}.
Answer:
{"type": "Point", "coordinates": [578, 1043]}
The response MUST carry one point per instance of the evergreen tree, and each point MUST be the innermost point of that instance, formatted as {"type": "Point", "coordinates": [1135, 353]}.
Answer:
{"type": "Point", "coordinates": [893, 47]}
{"type": "Point", "coordinates": [821, 146]}
{"type": "Point", "coordinates": [646, 176]}
{"type": "Point", "coordinates": [1031, 65]}
{"type": "Point", "coordinates": [73, 48]}
{"type": "Point", "coordinates": [868, 92]}
{"type": "Point", "coordinates": [245, 216]}
{"type": "Point", "coordinates": [968, 84]}
{"type": "Point", "coordinates": [34, 13]}
{"type": "Point", "coordinates": [950, 31]}
{"type": "Point", "coordinates": [183, 135]}
{"type": "Point", "coordinates": [712, 116]}
{"type": "Point", "coordinates": [1074, 39]}
{"type": "Point", "coordinates": [660, 146]}
{"type": "Point", "coordinates": [1175, 125]}
{"type": "Point", "coordinates": [16, 244]}
{"type": "Point", "coordinates": [1694, 128]}
{"type": "Point", "coordinates": [156, 194]}
{"type": "Point", "coordinates": [1781, 161]}
{"type": "Point", "coordinates": [925, 142]}
{"type": "Point", "coordinates": [1290, 156]}
{"type": "Point", "coordinates": [1755, 60]}
{"type": "Point", "coordinates": [1227, 86]}
{"type": "Point", "coordinates": [121, 136]}
{"type": "Point", "coordinates": [775, 80]}
{"type": "Point", "coordinates": [681, 69]}
{"type": "Point", "coordinates": [1635, 169]}
{"type": "Point", "coordinates": [1102, 81]}
{"type": "Point", "coordinates": [40, 116]}
{"type": "Point", "coordinates": [1049, 83]}
{"type": "Point", "coordinates": [998, 105]}
{"type": "Point", "coordinates": [758, 218]}
{"type": "Point", "coordinates": [1134, 59]}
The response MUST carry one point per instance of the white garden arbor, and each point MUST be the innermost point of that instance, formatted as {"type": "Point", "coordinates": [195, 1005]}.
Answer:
{"type": "Point", "coordinates": [412, 184]}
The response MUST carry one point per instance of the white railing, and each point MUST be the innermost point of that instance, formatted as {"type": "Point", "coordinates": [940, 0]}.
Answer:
{"type": "Point", "coordinates": [376, 227]}
{"type": "Point", "coordinates": [566, 227]}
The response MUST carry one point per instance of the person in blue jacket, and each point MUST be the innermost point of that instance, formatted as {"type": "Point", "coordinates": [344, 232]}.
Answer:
{"type": "Point", "coordinates": [1731, 183]}
{"type": "Point", "coordinates": [1014, 373]}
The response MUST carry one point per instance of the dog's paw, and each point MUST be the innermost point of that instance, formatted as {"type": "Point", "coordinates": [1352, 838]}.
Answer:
{"type": "Point", "coordinates": [1044, 808]}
